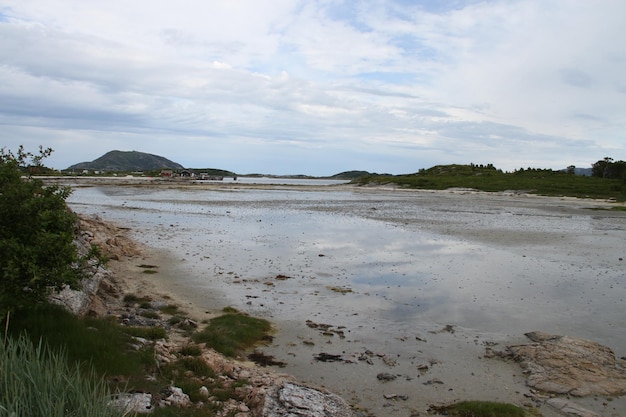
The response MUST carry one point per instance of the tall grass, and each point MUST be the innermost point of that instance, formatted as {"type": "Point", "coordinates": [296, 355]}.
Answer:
{"type": "Point", "coordinates": [102, 343]}
{"type": "Point", "coordinates": [36, 381]}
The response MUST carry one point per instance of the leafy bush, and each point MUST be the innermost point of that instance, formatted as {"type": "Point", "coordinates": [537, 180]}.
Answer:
{"type": "Point", "coordinates": [36, 234]}
{"type": "Point", "coordinates": [37, 382]}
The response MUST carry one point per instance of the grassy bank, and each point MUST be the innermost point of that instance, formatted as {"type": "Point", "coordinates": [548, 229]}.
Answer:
{"type": "Point", "coordinates": [535, 181]}
{"type": "Point", "coordinates": [104, 356]}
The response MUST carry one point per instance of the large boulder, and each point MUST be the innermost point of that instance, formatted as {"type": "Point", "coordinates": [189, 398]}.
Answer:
{"type": "Point", "coordinates": [293, 400]}
{"type": "Point", "coordinates": [566, 365]}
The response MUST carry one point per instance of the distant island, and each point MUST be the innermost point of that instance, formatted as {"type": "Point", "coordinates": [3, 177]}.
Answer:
{"type": "Point", "coordinates": [605, 179]}
{"type": "Point", "coordinates": [119, 161]}
{"type": "Point", "coordinates": [149, 164]}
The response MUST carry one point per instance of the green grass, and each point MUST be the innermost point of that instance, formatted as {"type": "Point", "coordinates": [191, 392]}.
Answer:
{"type": "Point", "coordinates": [190, 350]}
{"type": "Point", "coordinates": [482, 409]}
{"type": "Point", "coordinates": [170, 309]}
{"type": "Point", "coordinates": [150, 314]}
{"type": "Point", "coordinates": [150, 333]}
{"type": "Point", "coordinates": [36, 381]}
{"type": "Point", "coordinates": [89, 340]}
{"type": "Point", "coordinates": [536, 181]}
{"type": "Point", "coordinates": [233, 332]}
{"type": "Point", "coordinates": [100, 350]}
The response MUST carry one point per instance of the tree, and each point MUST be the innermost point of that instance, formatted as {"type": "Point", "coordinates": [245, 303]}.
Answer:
{"type": "Point", "coordinates": [608, 168]}
{"type": "Point", "coordinates": [37, 253]}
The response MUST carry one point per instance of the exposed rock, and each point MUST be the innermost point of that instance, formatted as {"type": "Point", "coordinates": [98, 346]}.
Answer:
{"type": "Point", "coordinates": [133, 403]}
{"type": "Point", "coordinates": [328, 357]}
{"type": "Point", "coordinates": [570, 408]}
{"type": "Point", "coordinates": [115, 244]}
{"type": "Point", "coordinates": [83, 301]}
{"type": "Point", "coordinates": [384, 376]}
{"type": "Point", "coordinates": [174, 396]}
{"type": "Point", "coordinates": [293, 400]}
{"type": "Point", "coordinates": [112, 240]}
{"type": "Point", "coordinates": [566, 365]}
{"type": "Point", "coordinates": [204, 392]}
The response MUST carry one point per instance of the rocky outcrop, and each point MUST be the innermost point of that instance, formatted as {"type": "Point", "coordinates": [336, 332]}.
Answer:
{"type": "Point", "coordinates": [566, 365]}
{"type": "Point", "coordinates": [112, 240]}
{"type": "Point", "coordinates": [114, 243]}
{"type": "Point", "coordinates": [570, 408]}
{"type": "Point", "coordinates": [294, 400]}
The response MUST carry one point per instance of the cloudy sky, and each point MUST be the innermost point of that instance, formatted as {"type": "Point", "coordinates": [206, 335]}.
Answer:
{"type": "Point", "coordinates": [317, 86]}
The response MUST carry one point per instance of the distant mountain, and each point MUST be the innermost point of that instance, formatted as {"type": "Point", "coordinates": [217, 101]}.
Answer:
{"type": "Point", "coordinates": [127, 161]}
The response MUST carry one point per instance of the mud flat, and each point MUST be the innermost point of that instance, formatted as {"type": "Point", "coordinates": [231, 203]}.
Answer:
{"type": "Point", "coordinates": [389, 298]}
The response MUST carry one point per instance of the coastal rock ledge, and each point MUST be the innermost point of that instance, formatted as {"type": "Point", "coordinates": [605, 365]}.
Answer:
{"type": "Point", "coordinates": [566, 365]}
{"type": "Point", "coordinates": [294, 400]}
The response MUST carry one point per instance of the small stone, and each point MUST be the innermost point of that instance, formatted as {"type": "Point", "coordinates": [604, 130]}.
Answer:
{"type": "Point", "coordinates": [433, 381]}
{"type": "Point", "coordinates": [384, 376]}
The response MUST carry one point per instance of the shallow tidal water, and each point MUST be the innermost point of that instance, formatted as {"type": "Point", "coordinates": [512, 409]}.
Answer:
{"type": "Point", "coordinates": [412, 283]}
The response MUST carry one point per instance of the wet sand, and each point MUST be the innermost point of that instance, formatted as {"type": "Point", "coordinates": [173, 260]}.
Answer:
{"type": "Point", "coordinates": [434, 361]}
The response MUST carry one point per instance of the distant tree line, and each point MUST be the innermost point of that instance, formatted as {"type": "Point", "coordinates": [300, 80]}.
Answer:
{"type": "Point", "coordinates": [609, 168]}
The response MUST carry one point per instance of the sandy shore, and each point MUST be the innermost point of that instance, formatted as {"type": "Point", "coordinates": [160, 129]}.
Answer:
{"type": "Point", "coordinates": [437, 365]}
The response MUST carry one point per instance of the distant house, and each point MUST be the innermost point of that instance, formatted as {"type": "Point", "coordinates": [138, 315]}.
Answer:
{"type": "Point", "coordinates": [186, 173]}
{"type": "Point", "coordinates": [167, 173]}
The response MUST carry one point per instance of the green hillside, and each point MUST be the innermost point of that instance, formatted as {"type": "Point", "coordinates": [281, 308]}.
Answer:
{"type": "Point", "coordinates": [488, 178]}
{"type": "Point", "coordinates": [119, 161]}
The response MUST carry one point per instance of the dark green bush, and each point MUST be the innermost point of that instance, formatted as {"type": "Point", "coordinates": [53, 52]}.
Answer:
{"type": "Point", "coordinates": [36, 234]}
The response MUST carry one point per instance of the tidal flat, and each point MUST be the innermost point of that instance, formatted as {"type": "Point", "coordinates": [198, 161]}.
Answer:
{"type": "Point", "coordinates": [412, 284]}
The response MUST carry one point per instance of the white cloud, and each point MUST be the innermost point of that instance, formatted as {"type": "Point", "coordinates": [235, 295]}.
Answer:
{"type": "Point", "coordinates": [383, 86]}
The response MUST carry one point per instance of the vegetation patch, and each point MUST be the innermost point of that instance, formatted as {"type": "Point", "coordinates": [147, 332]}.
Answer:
{"type": "Point", "coordinates": [488, 178]}
{"type": "Point", "coordinates": [150, 333]}
{"type": "Point", "coordinates": [262, 359]}
{"type": "Point", "coordinates": [150, 314]}
{"type": "Point", "coordinates": [481, 409]}
{"type": "Point", "coordinates": [97, 341]}
{"type": "Point", "coordinates": [232, 333]}
{"type": "Point", "coordinates": [42, 384]}
{"type": "Point", "coordinates": [170, 309]}
{"type": "Point", "coordinates": [191, 350]}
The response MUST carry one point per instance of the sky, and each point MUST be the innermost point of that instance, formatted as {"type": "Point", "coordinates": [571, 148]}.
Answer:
{"type": "Point", "coordinates": [317, 87]}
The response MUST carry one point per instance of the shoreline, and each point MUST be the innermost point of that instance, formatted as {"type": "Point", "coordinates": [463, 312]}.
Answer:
{"type": "Point", "coordinates": [452, 363]}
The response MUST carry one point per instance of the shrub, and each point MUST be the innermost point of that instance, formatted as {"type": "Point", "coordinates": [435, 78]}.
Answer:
{"type": "Point", "coordinates": [36, 236]}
